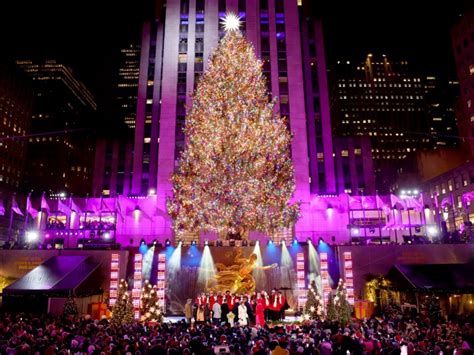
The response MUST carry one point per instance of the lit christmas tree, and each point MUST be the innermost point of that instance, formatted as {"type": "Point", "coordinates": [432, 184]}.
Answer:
{"type": "Point", "coordinates": [313, 307]}
{"type": "Point", "coordinates": [331, 313]}
{"type": "Point", "coordinates": [343, 308]}
{"type": "Point", "coordinates": [150, 309]}
{"type": "Point", "coordinates": [70, 307]}
{"type": "Point", "coordinates": [235, 174]}
{"type": "Point", "coordinates": [122, 311]}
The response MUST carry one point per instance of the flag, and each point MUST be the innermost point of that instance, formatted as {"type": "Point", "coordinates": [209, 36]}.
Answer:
{"type": "Point", "coordinates": [446, 202]}
{"type": "Point", "coordinates": [29, 208]}
{"type": "Point", "coordinates": [2, 208]}
{"type": "Point", "coordinates": [15, 207]}
{"type": "Point", "coordinates": [367, 202]}
{"type": "Point", "coordinates": [75, 207]}
{"type": "Point", "coordinates": [62, 207]}
{"type": "Point", "coordinates": [118, 207]}
{"type": "Point", "coordinates": [44, 203]}
{"type": "Point", "coordinates": [380, 204]}
{"type": "Point", "coordinates": [413, 202]}
{"type": "Point", "coordinates": [104, 206]}
{"type": "Point", "coordinates": [397, 200]}
{"type": "Point", "coordinates": [354, 203]}
{"type": "Point", "coordinates": [468, 196]}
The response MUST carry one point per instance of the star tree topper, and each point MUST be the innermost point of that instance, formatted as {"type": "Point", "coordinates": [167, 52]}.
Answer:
{"type": "Point", "coordinates": [231, 22]}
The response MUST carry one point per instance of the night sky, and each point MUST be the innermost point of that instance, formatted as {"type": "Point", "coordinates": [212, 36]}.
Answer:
{"type": "Point", "coordinates": [88, 36]}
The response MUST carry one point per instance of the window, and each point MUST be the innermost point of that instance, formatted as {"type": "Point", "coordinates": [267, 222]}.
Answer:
{"type": "Point", "coordinates": [357, 151]}
{"type": "Point", "coordinates": [344, 153]}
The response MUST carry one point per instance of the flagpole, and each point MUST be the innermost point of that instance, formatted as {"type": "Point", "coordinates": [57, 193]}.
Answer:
{"type": "Point", "coordinates": [11, 220]}
{"type": "Point", "coordinates": [27, 212]}
{"type": "Point", "coordinates": [379, 215]}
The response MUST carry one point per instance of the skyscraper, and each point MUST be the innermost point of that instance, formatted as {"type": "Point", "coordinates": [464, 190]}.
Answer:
{"type": "Point", "coordinates": [127, 85]}
{"type": "Point", "coordinates": [16, 98]}
{"type": "Point", "coordinates": [60, 152]}
{"type": "Point", "coordinates": [384, 100]}
{"type": "Point", "coordinates": [462, 36]}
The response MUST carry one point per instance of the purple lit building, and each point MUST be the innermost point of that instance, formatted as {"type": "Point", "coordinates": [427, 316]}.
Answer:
{"type": "Point", "coordinates": [175, 47]}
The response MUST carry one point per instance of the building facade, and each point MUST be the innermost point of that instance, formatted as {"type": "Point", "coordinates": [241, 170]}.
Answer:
{"type": "Point", "coordinates": [383, 100]}
{"type": "Point", "coordinates": [61, 145]}
{"type": "Point", "coordinates": [16, 98]}
{"type": "Point", "coordinates": [462, 37]}
{"type": "Point", "coordinates": [127, 84]}
{"type": "Point", "coordinates": [175, 48]}
{"type": "Point", "coordinates": [354, 166]}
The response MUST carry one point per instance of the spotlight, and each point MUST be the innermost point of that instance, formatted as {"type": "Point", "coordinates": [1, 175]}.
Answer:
{"type": "Point", "coordinates": [206, 242]}
{"type": "Point", "coordinates": [283, 243]}
{"type": "Point", "coordinates": [142, 242]}
{"type": "Point", "coordinates": [193, 242]}
{"type": "Point", "coordinates": [295, 241]}
{"type": "Point", "coordinates": [309, 240]}
{"type": "Point", "coordinates": [321, 240]}
{"type": "Point", "coordinates": [167, 242]}
{"type": "Point", "coordinates": [270, 242]}
{"type": "Point", "coordinates": [257, 242]}
{"type": "Point", "coordinates": [31, 236]}
{"type": "Point", "coordinates": [154, 242]}
{"type": "Point", "coordinates": [106, 235]}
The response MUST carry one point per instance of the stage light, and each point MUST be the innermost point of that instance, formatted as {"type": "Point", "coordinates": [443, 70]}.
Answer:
{"type": "Point", "coordinates": [180, 242]}
{"type": "Point", "coordinates": [355, 231]}
{"type": "Point", "coordinates": [167, 242]}
{"type": "Point", "coordinates": [62, 194]}
{"type": "Point", "coordinates": [32, 236]}
{"type": "Point", "coordinates": [295, 241]}
{"type": "Point", "coordinates": [151, 192]}
{"type": "Point", "coordinates": [257, 243]}
{"type": "Point", "coordinates": [432, 231]}
{"type": "Point", "coordinates": [321, 240]}
{"type": "Point", "coordinates": [270, 242]}
{"type": "Point", "coordinates": [309, 240]}
{"type": "Point", "coordinates": [282, 243]}
{"type": "Point", "coordinates": [415, 192]}
{"type": "Point", "coordinates": [142, 242]}
{"type": "Point", "coordinates": [206, 243]}
{"type": "Point", "coordinates": [193, 242]}
{"type": "Point", "coordinates": [154, 242]}
{"type": "Point", "coordinates": [106, 235]}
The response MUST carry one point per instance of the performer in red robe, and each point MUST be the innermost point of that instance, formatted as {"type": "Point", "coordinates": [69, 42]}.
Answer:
{"type": "Point", "coordinates": [219, 297]}
{"type": "Point", "coordinates": [201, 299]}
{"type": "Point", "coordinates": [260, 314]}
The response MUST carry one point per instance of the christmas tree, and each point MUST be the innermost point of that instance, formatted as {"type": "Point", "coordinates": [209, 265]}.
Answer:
{"type": "Point", "coordinates": [122, 311]}
{"type": "Point", "coordinates": [235, 174]}
{"type": "Point", "coordinates": [331, 313]}
{"type": "Point", "coordinates": [343, 308]}
{"type": "Point", "coordinates": [70, 307]}
{"type": "Point", "coordinates": [313, 307]}
{"type": "Point", "coordinates": [150, 309]}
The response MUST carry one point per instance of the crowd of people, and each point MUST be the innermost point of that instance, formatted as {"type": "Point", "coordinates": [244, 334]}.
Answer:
{"type": "Point", "coordinates": [246, 309]}
{"type": "Point", "coordinates": [388, 333]}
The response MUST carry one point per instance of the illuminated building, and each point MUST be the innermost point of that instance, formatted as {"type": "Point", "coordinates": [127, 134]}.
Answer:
{"type": "Point", "coordinates": [462, 37]}
{"type": "Point", "coordinates": [383, 100]}
{"type": "Point", "coordinates": [16, 104]}
{"type": "Point", "coordinates": [60, 148]}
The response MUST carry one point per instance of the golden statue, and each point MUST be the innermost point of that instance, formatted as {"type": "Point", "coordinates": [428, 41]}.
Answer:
{"type": "Point", "coordinates": [238, 277]}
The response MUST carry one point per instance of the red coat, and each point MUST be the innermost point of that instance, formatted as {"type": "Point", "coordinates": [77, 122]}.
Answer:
{"type": "Point", "coordinates": [212, 300]}
{"type": "Point", "coordinates": [219, 299]}
{"type": "Point", "coordinates": [201, 300]}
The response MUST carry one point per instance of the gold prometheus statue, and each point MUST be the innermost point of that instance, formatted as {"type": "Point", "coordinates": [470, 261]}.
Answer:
{"type": "Point", "coordinates": [238, 277]}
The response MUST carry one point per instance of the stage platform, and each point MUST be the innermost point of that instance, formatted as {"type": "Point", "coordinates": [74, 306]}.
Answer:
{"type": "Point", "coordinates": [175, 319]}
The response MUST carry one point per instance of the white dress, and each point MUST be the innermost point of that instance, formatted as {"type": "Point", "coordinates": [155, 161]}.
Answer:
{"type": "Point", "coordinates": [243, 316]}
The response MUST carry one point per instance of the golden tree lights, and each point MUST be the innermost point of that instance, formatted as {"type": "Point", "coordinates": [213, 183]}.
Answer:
{"type": "Point", "coordinates": [236, 173]}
